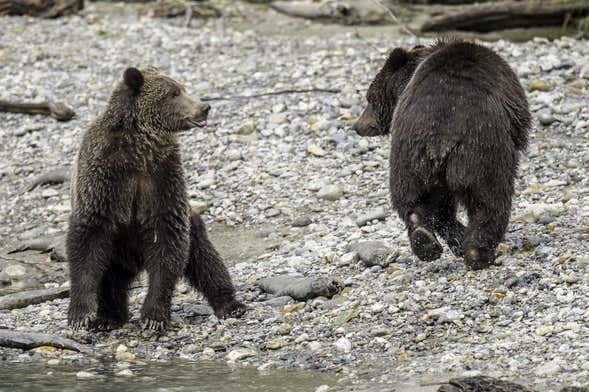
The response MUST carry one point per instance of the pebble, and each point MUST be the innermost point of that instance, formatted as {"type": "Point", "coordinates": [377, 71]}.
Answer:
{"type": "Point", "coordinates": [538, 85]}
{"type": "Point", "coordinates": [316, 150]}
{"type": "Point", "coordinates": [301, 221]}
{"type": "Point", "coordinates": [239, 354]}
{"type": "Point", "coordinates": [343, 345]}
{"type": "Point", "coordinates": [15, 271]}
{"type": "Point", "coordinates": [378, 214]}
{"type": "Point", "coordinates": [330, 193]}
{"type": "Point", "coordinates": [86, 375]}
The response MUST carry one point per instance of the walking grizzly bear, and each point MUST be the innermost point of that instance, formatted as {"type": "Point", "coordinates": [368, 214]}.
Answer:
{"type": "Point", "coordinates": [459, 118]}
{"type": "Point", "coordinates": [130, 210]}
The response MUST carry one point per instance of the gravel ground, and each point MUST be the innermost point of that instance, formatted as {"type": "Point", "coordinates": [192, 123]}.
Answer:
{"type": "Point", "coordinates": [289, 168]}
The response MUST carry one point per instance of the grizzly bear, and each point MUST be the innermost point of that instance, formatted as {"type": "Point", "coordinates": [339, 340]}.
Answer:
{"type": "Point", "coordinates": [458, 118]}
{"type": "Point", "coordinates": [130, 210]}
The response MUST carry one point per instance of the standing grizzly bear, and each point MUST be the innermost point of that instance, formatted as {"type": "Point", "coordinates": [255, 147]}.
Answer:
{"type": "Point", "coordinates": [459, 118]}
{"type": "Point", "coordinates": [130, 210]}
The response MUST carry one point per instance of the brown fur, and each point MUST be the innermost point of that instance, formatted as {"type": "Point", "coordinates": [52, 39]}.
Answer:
{"type": "Point", "coordinates": [458, 118]}
{"type": "Point", "coordinates": [130, 209]}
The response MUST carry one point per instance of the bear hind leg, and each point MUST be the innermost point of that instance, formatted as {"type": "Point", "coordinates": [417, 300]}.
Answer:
{"type": "Point", "coordinates": [443, 207]}
{"type": "Point", "coordinates": [419, 220]}
{"type": "Point", "coordinates": [488, 218]}
{"type": "Point", "coordinates": [207, 273]}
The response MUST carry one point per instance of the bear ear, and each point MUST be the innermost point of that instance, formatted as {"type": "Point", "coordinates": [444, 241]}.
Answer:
{"type": "Point", "coordinates": [397, 59]}
{"type": "Point", "coordinates": [134, 79]}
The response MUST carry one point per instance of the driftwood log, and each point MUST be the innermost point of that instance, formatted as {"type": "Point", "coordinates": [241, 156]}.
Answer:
{"type": "Point", "coordinates": [29, 340]}
{"type": "Point", "coordinates": [41, 8]}
{"type": "Point", "coordinates": [506, 14]}
{"type": "Point", "coordinates": [57, 110]}
{"type": "Point", "coordinates": [57, 176]}
{"type": "Point", "coordinates": [32, 297]}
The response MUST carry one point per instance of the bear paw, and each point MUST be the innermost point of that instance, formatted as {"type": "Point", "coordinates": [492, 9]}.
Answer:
{"type": "Point", "coordinates": [81, 316]}
{"type": "Point", "coordinates": [478, 259]}
{"type": "Point", "coordinates": [425, 245]}
{"type": "Point", "coordinates": [81, 322]}
{"type": "Point", "coordinates": [231, 309]}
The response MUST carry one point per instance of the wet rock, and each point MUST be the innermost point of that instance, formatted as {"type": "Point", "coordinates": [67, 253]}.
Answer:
{"type": "Point", "coordinates": [239, 354]}
{"type": "Point", "coordinates": [300, 288]}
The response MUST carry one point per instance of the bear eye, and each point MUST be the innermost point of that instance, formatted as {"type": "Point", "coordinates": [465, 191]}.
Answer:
{"type": "Point", "coordinates": [175, 93]}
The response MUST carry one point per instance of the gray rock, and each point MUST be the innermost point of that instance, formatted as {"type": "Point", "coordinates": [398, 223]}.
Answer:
{"type": "Point", "coordinates": [376, 214]}
{"type": "Point", "coordinates": [546, 118]}
{"type": "Point", "coordinates": [278, 301]}
{"type": "Point", "coordinates": [300, 288]}
{"type": "Point", "coordinates": [374, 253]}
{"type": "Point", "coordinates": [301, 221]}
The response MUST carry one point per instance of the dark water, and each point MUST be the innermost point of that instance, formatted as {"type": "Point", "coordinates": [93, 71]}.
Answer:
{"type": "Point", "coordinates": [176, 376]}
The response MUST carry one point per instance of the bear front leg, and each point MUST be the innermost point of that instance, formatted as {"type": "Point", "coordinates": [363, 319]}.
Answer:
{"type": "Point", "coordinates": [166, 252]}
{"type": "Point", "coordinates": [208, 274]}
{"type": "Point", "coordinates": [488, 218]}
{"type": "Point", "coordinates": [88, 251]}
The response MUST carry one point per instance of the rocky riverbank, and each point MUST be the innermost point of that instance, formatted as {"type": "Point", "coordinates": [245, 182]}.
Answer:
{"type": "Point", "coordinates": [289, 189]}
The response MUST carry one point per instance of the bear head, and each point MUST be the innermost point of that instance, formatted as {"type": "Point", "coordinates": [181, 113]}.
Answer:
{"type": "Point", "coordinates": [385, 89]}
{"type": "Point", "coordinates": [149, 101]}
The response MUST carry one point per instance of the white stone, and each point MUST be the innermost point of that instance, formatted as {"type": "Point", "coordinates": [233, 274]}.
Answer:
{"type": "Point", "coordinates": [239, 354]}
{"type": "Point", "coordinates": [343, 345]}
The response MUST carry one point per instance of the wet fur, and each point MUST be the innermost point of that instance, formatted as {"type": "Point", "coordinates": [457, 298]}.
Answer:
{"type": "Point", "coordinates": [130, 213]}
{"type": "Point", "coordinates": [457, 129]}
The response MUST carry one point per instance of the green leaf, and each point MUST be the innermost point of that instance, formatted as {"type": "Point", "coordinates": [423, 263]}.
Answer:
{"type": "Point", "coordinates": [346, 316]}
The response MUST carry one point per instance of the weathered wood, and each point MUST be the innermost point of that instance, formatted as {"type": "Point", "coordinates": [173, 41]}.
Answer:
{"type": "Point", "coordinates": [506, 14]}
{"type": "Point", "coordinates": [56, 176]}
{"type": "Point", "coordinates": [29, 340]}
{"type": "Point", "coordinates": [188, 9]}
{"type": "Point", "coordinates": [57, 110]}
{"type": "Point", "coordinates": [54, 245]}
{"type": "Point", "coordinates": [357, 12]}
{"type": "Point", "coordinates": [41, 8]}
{"type": "Point", "coordinates": [32, 297]}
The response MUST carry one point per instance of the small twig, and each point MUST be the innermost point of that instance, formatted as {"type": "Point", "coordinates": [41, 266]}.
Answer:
{"type": "Point", "coordinates": [361, 37]}
{"type": "Point", "coordinates": [280, 92]}
{"type": "Point", "coordinates": [394, 18]}
{"type": "Point", "coordinates": [188, 15]}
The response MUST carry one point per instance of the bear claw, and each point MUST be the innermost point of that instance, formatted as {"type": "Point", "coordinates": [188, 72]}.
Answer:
{"type": "Point", "coordinates": [154, 325]}
{"type": "Point", "coordinates": [81, 323]}
{"type": "Point", "coordinates": [425, 245]}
